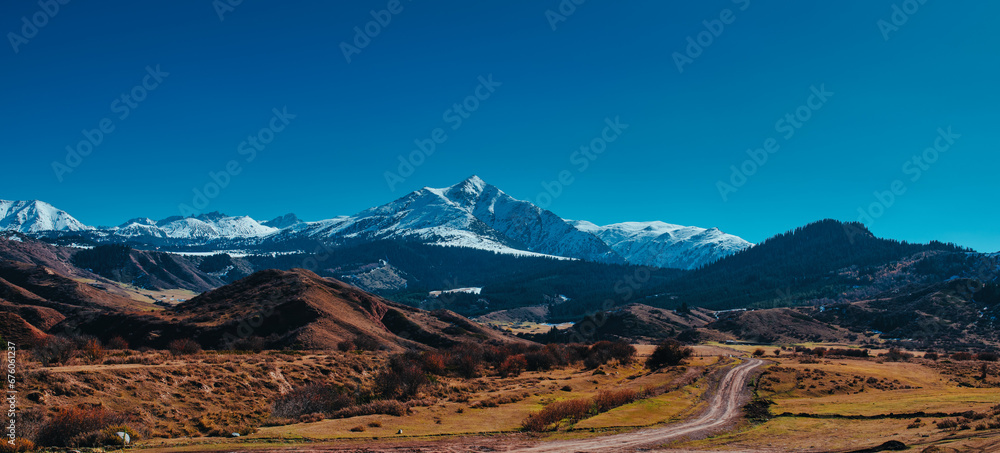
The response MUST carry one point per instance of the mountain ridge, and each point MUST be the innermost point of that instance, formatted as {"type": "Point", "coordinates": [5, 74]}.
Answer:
{"type": "Point", "coordinates": [470, 214]}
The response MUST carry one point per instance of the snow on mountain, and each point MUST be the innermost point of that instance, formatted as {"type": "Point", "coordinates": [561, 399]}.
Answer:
{"type": "Point", "coordinates": [471, 214]}
{"type": "Point", "coordinates": [664, 245]}
{"type": "Point", "coordinates": [285, 221]}
{"type": "Point", "coordinates": [204, 227]}
{"type": "Point", "coordinates": [36, 216]}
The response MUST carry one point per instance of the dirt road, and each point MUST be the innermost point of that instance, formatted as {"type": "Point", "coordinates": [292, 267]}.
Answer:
{"type": "Point", "coordinates": [724, 406]}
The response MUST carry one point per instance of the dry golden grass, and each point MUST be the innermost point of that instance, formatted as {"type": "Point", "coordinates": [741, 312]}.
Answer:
{"type": "Point", "coordinates": [858, 387]}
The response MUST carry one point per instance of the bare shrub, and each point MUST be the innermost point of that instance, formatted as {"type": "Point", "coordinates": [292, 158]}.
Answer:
{"type": "Point", "coordinates": [346, 346]}
{"type": "Point", "coordinates": [92, 349]}
{"type": "Point", "coordinates": [78, 427]}
{"type": "Point", "coordinates": [310, 399]}
{"type": "Point", "coordinates": [184, 346]}
{"type": "Point", "coordinates": [668, 353]}
{"type": "Point", "coordinates": [513, 366]}
{"type": "Point", "coordinates": [378, 407]}
{"type": "Point", "coordinates": [987, 356]}
{"type": "Point", "coordinates": [961, 356]}
{"type": "Point", "coordinates": [401, 379]}
{"type": "Point", "coordinates": [610, 399]}
{"type": "Point", "coordinates": [55, 350]}
{"type": "Point", "coordinates": [573, 410]}
{"type": "Point", "coordinates": [117, 343]}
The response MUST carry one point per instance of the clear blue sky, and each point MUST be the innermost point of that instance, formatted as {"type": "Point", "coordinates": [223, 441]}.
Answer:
{"type": "Point", "coordinates": [605, 60]}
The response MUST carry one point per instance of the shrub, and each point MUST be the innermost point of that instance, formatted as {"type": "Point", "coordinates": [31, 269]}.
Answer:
{"type": "Point", "coordinates": [466, 359]}
{"type": "Point", "coordinates": [931, 356]}
{"type": "Point", "coordinates": [433, 363]}
{"type": "Point", "coordinates": [513, 365]}
{"type": "Point", "coordinates": [366, 343]}
{"type": "Point", "coordinates": [540, 360]}
{"type": "Point", "coordinates": [92, 349]}
{"type": "Point", "coordinates": [759, 353]}
{"type": "Point", "coordinates": [78, 427]}
{"type": "Point", "coordinates": [610, 399]}
{"type": "Point", "coordinates": [962, 356]}
{"type": "Point", "coordinates": [946, 424]}
{"type": "Point", "coordinates": [346, 346]}
{"type": "Point", "coordinates": [377, 407]}
{"type": "Point", "coordinates": [897, 355]}
{"type": "Point", "coordinates": [117, 343]}
{"type": "Point", "coordinates": [310, 399]}
{"type": "Point", "coordinates": [574, 410]}
{"type": "Point", "coordinates": [184, 346]}
{"type": "Point", "coordinates": [668, 353]}
{"type": "Point", "coordinates": [401, 379]}
{"type": "Point", "coordinates": [20, 445]}
{"type": "Point", "coordinates": [250, 344]}
{"type": "Point", "coordinates": [606, 351]}
{"type": "Point", "coordinates": [358, 429]}
{"type": "Point", "coordinates": [987, 356]}
{"type": "Point", "coordinates": [861, 353]}
{"type": "Point", "coordinates": [55, 350]}
{"type": "Point", "coordinates": [758, 410]}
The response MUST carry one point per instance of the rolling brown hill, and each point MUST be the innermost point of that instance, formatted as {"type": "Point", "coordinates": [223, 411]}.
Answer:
{"type": "Point", "coordinates": [297, 309]}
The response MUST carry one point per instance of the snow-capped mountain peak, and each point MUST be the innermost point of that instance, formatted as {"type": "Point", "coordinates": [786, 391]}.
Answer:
{"type": "Point", "coordinates": [473, 214]}
{"type": "Point", "coordinates": [666, 245]}
{"type": "Point", "coordinates": [35, 216]}
{"type": "Point", "coordinates": [470, 214]}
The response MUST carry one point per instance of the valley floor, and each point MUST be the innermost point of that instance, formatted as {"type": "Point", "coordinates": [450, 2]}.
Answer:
{"type": "Point", "coordinates": [829, 404]}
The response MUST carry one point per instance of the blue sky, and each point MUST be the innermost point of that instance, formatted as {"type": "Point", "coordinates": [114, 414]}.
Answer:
{"type": "Point", "coordinates": [554, 91]}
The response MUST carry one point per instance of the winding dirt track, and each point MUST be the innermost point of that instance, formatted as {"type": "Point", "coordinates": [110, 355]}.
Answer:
{"type": "Point", "coordinates": [723, 408]}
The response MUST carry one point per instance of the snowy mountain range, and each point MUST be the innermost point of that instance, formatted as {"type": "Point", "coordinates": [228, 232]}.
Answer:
{"type": "Point", "coordinates": [664, 245]}
{"type": "Point", "coordinates": [470, 214]}
{"type": "Point", "coordinates": [36, 216]}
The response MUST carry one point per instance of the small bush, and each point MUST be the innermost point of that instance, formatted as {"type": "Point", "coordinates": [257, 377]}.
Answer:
{"type": "Point", "coordinates": [759, 353]}
{"type": "Point", "coordinates": [987, 356]}
{"type": "Point", "coordinates": [55, 350]}
{"type": "Point", "coordinates": [310, 399]}
{"type": "Point", "coordinates": [346, 346]}
{"type": "Point", "coordinates": [574, 410]}
{"type": "Point", "coordinates": [78, 427]}
{"type": "Point", "coordinates": [184, 346]}
{"type": "Point", "coordinates": [946, 424]}
{"type": "Point", "coordinates": [898, 355]}
{"type": "Point", "coordinates": [669, 353]}
{"type": "Point", "coordinates": [961, 356]}
{"type": "Point", "coordinates": [401, 379]}
{"type": "Point", "coordinates": [513, 366]}
{"type": "Point", "coordinates": [92, 349]}
{"type": "Point", "coordinates": [378, 407]}
{"type": "Point", "coordinates": [358, 429]}
{"type": "Point", "coordinates": [20, 445]}
{"type": "Point", "coordinates": [610, 399]}
{"type": "Point", "coordinates": [117, 343]}
{"type": "Point", "coordinates": [931, 356]}
{"type": "Point", "coordinates": [433, 363]}
{"type": "Point", "coordinates": [366, 343]}
{"type": "Point", "coordinates": [604, 351]}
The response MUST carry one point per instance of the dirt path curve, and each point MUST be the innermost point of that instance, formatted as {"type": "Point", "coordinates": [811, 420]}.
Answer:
{"type": "Point", "coordinates": [723, 408]}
